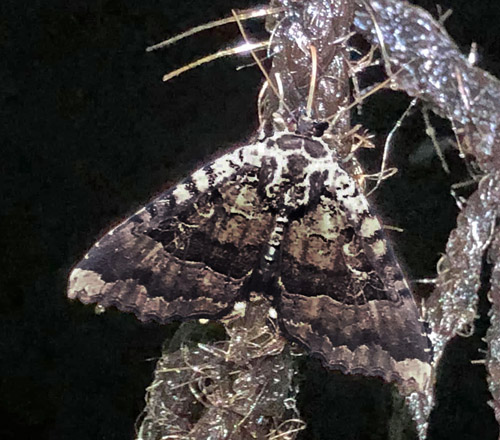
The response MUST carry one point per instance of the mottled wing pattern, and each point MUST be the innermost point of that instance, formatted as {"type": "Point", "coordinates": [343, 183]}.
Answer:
{"type": "Point", "coordinates": [343, 294]}
{"type": "Point", "coordinates": [188, 252]}
{"type": "Point", "coordinates": [280, 217]}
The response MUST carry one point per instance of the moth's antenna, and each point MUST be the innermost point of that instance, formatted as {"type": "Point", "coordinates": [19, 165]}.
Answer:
{"type": "Point", "coordinates": [242, 15]}
{"type": "Point", "coordinates": [247, 47]}
{"type": "Point", "coordinates": [312, 83]}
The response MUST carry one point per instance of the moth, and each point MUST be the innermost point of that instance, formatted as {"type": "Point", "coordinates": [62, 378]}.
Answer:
{"type": "Point", "coordinates": [282, 218]}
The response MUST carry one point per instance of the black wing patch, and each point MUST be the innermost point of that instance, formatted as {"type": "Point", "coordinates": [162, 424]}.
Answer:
{"type": "Point", "coordinates": [283, 219]}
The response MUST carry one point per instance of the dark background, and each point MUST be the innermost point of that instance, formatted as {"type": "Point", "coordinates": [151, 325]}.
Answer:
{"type": "Point", "coordinates": [89, 133]}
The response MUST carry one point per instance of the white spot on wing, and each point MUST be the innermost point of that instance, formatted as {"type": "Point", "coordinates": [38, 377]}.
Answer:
{"type": "Point", "coordinates": [200, 179]}
{"type": "Point", "coordinates": [240, 307]}
{"type": "Point", "coordinates": [356, 204]}
{"type": "Point", "coordinates": [85, 281]}
{"type": "Point", "coordinates": [181, 193]}
{"type": "Point", "coordinates": [379, 248]}
{"type": "Point", "coordinates": [273, 314]}
{"type": "Point", "coordinates": [369, 226]}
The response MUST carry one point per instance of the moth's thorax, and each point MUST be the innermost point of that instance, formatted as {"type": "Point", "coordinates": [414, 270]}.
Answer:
{"type": "Point", "coordinates": [295, 170]}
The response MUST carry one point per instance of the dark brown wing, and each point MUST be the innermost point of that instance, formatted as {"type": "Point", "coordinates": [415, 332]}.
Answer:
{"type": "Point", "coordinates": [344, 296]}
{"type": "Point", "coordinates": [188, 252]}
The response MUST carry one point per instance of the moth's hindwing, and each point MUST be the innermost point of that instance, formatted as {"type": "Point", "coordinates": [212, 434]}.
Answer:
{"type": "Point", "coordinates": [188, 252]}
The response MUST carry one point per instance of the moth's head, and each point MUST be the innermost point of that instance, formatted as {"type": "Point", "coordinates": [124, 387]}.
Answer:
{"type": "Point", "coordinates": [309, 127]}
{"type": "Point", "coordinates": [301, 125]}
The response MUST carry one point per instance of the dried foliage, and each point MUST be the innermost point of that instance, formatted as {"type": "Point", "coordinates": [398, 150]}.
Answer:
{"type": "Point", "coordinates": [433, 69]}
{"type": "Point", "coordinates": [493, 333]}
{"type": "Point", "coordinates": [238, 388]}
